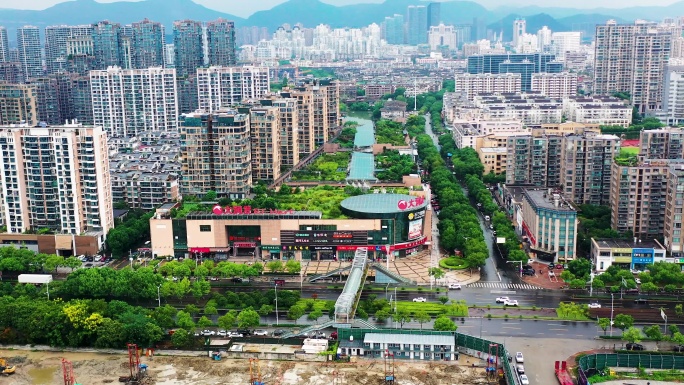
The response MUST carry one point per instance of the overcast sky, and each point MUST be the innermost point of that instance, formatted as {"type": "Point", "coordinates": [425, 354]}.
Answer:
{"type": "Point", "coordinates": [245, 8]}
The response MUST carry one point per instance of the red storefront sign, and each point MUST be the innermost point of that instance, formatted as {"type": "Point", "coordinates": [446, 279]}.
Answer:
{"type": "Point", "coordinates": [527, 231]}
{"type": "Point", "coordinates": [407, 245]}
{"type": "Point", "coordinates": [405, 205]}
{"type": "Point", "coordinates": [200, 250]}
{"type": "Point", "coordinates": [244, 244]}
{"type": "Point", "coordinates": [242, 210]}
{"type": "Point", "coordinates": [348, 248]}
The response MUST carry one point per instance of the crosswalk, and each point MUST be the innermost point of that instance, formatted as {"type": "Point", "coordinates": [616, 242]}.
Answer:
{"type": "Point", "coordinates": [501, 285]}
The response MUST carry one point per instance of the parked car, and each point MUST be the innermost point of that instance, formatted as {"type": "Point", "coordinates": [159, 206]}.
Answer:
{"type": "Point", "coordinates": [235, 335]}
{"type": "Point", "coordinates": [487, 218]}
{"type": "Point", "coordinates": [491, 227]}
{"type": "Point", "coordinates": [594, 305]}
{"type": "Point", "coordinates": [559, 266]}
{"type": "Point", "coordinates": [454, 286]}
{"type": "Point", "coordinates": [552, 266]}
{"type": "Point", "coordinates": [641, 301]}
{"type": "Point", "coordinates": [502, 299]}
{"type": "Point", "coordinates": [528, 272]}
{"type": "Point", "coordinates": [511, 302]}
{"type": "Point", "coordinates": [237, 280]}
{"type": "Point", "coordinates": [638, 281]}
{"type": "Point", "coordinates": [633, 346]}
{"type": "Point", "coordinates": [524, 380]}
{"type": "Point", "coordinates": [278, 332]}
{"type": "Point", "coordinates": [420, 299]}
{"type": "Point", "coordinates": [520, 368]}
{"type": "Point", "coordinates": [222, 333]}
{"type": "Point", "coordinates": [519, 357]}
{"type": "Point", "coordinates": [260, 332]}
{"type": "Point", "coordinates": [245, 332]}
{"type": "Point", "coordinates": [208, 333]}
{"type": "Point", "coordinates": [678, 348]}
{"type": "Point", "coordinates": [632, 291]}
{"type": "Point", "coordinates": [333, 335]}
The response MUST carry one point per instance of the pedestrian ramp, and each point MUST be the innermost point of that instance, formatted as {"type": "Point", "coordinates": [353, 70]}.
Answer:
{"type": "Point", "coordinates": [501, 285]}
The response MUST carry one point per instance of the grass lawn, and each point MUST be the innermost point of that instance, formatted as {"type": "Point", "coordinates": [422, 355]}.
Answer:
{"type": "Point", "coordinates": [319, 304]}
{"type": "Point", "coordinates": [434, 309]}
{"type": "Point", "coordinates": [453, 263]}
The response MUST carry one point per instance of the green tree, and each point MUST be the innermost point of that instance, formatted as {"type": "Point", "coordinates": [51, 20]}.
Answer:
{"type": "Point", "coordinates": [181, 338]}
{"type": "Point", "coordinates": [678, 309]}
{"type": "Point", "coordinates": [421, 316]}
{"type": "Point", "coordinates": [678, 338]}
{"type": "Point", "coordinates": [72, 263]}
{"type": "Point", "coordinates": [227, 321]}
{"type": "Point", "coordinates": [248, 318]}
{"type": "Point", "coordinates": [443, 323]}
{"type": "Point", "coordinates": [649, 287]}
{"type": "Point", "coordinates": [580, 267]}
{"type": "Point", "coordinates": [210, 308]}
{"type": "Point", "coordinates": [293, 266]}
{"type": "Point", "coordinates": [164, 316]}
{"type": "Point", "coordinates": [52, 262]}
{"type": "Point", "coordinates": [296, 312]}
{"type": "Point", "coordinates": [604, 323]}
{"type": "Point", "coordinates": [623, 321]}
{"type": "Point", "coordinates": [382, 315]}
{"type": "Point", "coordinates": [184, 320]}
{"type": "Point", "coordinates": [275, 266]}
{"type": "Point", "coordinates": [192, 309]}
{"type": "Point", "coordinates": [204, 322]}
{"type": "Point", "coordinates": [443, 299]}
{"type": "Point", "coordinates": [436, 272]}
{"type": "Point", "coordinates": [315, 315]}
{"type": "Point", "coordinates": [210, 196]}
{"type": "Point", "coordinates": [632, 335]}
{"type": "Point", "coordinates": [265, 310]}
{"type": "Point", "coordinates": [653, 332]}
{"type": "Point", "coordinates": [402, 316]}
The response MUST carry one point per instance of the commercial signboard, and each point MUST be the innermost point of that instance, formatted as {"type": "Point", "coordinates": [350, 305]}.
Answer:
{"type": "Point", "coordinates": [415, 229]}
{"type": "Point", "coordinates": [406, 205]}
{"type": "Point", "coordinates": [323, 237]}
{"type": "Point", "coordinates": [247, 210]}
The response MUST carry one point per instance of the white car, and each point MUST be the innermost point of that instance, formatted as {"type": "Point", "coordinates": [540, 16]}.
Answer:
{"type": "Point", "coordinates": [519, 357]}
{"type": "Point", "coordinates": [235, 335]}
{"type": "Point", "coordinates": [502, 299]}
{"type": "Point", "coordinates": [510, 302]}
{"type": "Point", "coordinates": [420, 299]}
{"type": "Point", "coordinates": [455, 286]}
{"type": "Point", "coordinates": [260, 332]}
{"type": "Point", "coordinates": [524, 380]}
{"type": "Point", "coordinates": [520, 368]}
{"type": "Point", "coordinates": [208, 333]}
{"type": "Point", "coordinates": [594, 305]}
{"type": "Point", "coordinates": [638, 281]}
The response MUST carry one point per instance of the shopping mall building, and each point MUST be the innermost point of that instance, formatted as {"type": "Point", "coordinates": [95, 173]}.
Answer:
{"type": "Point", "coordinates": [396, 223]}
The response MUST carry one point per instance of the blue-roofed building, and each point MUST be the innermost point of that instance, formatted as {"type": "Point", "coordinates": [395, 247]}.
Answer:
{"type": "Point", "coordinates": [524, 64]}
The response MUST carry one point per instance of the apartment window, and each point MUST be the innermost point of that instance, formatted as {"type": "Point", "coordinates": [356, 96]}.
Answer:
{"type": "Point", "coordinates": [205, 228]}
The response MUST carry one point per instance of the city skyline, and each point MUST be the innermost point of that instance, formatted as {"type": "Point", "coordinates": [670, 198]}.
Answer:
{"type": "Point", "coordinates": [243, 9]}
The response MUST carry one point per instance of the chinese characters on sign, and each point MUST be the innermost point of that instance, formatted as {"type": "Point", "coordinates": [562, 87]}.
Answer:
{"type": "Point", "coordinates": [405, 205]}
{"type": "Point", "coordinates": [233, 210]}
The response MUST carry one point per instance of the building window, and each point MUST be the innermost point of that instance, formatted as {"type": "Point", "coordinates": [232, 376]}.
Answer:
{"type": "Point", "coordinates": [205, 228]}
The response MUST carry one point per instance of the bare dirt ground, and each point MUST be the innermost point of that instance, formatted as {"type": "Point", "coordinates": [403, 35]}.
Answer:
{"type": "Point", "coordinates": [44, 368]}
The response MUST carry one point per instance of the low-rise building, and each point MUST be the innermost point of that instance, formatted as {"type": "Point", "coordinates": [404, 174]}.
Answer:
{"type": "Point", "coordinates": [555, 86]}
{"type": "Point", "coordinates": [394, 110]}
{"type": "Point", "coordinates": [603, 110]}
{"type": "Point", "coordinates": [626, 254]}
{"type": "Point", "coordinates": [423, 345]}
{"type": "Point", "coordinates": [530, 108]}
{"type": "Point", "coordinates": [472, 85]}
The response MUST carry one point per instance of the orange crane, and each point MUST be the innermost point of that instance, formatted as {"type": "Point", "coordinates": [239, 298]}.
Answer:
{"type": "Point", "coordinates": [254, 372]}
{"type": "Point", "coordinates": [68, 372]}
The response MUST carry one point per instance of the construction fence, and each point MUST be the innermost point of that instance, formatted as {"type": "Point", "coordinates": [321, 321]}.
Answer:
{"type": "Point", "coordinates": [601, 361]}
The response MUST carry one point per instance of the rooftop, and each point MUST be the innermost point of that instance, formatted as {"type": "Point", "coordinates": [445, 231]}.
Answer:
{"type": "Point", "coordinates": [381, 203]}
{"type": "Point", "coordinates": [541, 198]}
{"type": "Point", "coordinates": [422, 339]}
{"type": "Point", "coordinates": [614, 243]}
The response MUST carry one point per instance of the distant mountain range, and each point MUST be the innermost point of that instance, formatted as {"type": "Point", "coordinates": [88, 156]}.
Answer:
{"type": "Point", "coordinates": [314, 12]}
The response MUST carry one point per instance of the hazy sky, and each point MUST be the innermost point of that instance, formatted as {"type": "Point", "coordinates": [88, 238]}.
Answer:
{"type": "Point", "coordinates": [245, 8]}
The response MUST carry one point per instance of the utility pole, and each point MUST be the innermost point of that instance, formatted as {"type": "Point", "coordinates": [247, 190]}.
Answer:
{"type": "Point", "coordinates": [276, 303]}
{"type": "Point", "coordinates": [158, 296]}
{"type": "Point", "coordinates": [612, 300]}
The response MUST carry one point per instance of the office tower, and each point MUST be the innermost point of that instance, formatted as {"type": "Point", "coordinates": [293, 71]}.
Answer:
{"type": "Point", "coordinates": [433, 14]}
{"type": "Point", "coordinates": [4, 45]}
{"type": "Point", "coordinates": [56, 178]}
{"type": "Point", "coordinates": [393, 29]}
{"type": "Point", "coordinates": [562, 42]}
{"type": "Point", "coordinates": [478, 30]}
{"type": "Point", "coordinates": [148, 46]}
{"type": "Point", "coordinates": [289, 124]}
{"type": "Point", "coordinates": [674, 204]}
{"type": "Point", "coordinates": [215, 154]}
{"type": "Point", "coordinates": [187, 41]}
{"type": "Point", "coordinates": [519, 30]}
{"type": "Point", "coordinates": [107, 45]}
{"type": "Point", "coordinates": [265, 137]}
{"type": "Point", "coordinates": [18, 104]}
{"type": "Point", "coordinates": [524, 64]}
{"type": "Point", "coordinates": [586, 167]}
{"type": "Point", "coordinates": [442, 36]}
{"type": "Point", "coordinates": [57, 40]}
{"type": "Point", "coordinates": [663, 143]}
{"type": "Point", "coordinates": [130, 102]}
{"type": "Point", "coordinates": [28, 43]}
{"type": "Point", "coordinates": [221, 43]}
{"type": "Point", "coordinates": [220, 87]}
{"type": "Point", "coordinates": [631, 58]}
{"type": "Point", "coordinates": [417, 25]}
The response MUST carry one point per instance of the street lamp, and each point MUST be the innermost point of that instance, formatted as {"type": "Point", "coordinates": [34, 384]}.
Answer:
{"type": "Point", "coordinates": [520, 262]}
{"type": "Point", "coordinates": [612, 299]}
{"type": "Point", "coordinates": [131, 259]}
{"type": "Point", "coordinates": [158, 296]}
{"type": "Point", "coordinates": [276, 303]}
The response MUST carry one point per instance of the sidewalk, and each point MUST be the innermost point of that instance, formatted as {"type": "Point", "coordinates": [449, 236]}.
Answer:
{"type": "Point", "coordinates": [543, 279]}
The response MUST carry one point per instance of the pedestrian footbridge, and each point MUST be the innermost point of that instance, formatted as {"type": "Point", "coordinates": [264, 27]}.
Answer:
{"type": "Point", "coordinates": [345, 307]}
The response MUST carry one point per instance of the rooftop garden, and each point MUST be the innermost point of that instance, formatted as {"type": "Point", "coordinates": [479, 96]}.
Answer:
{"type": "Point", "coordinates": [389, 132]}
{"type": "Point", "coordinates": [328, 167]}
{"type": "Point", "coordinates": [346, 138]}
{"type": "Point", "coordinates": [391, 166]}
{"type": "Point", "coordinates": [627, 156]}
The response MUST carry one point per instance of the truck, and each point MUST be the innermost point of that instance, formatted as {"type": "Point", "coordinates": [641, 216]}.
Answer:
{"type": "Point", "coordinates": [562, 373]}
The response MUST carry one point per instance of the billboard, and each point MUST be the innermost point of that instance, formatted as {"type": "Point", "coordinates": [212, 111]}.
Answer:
{"type": "Point", "coordinates": [415, 229]}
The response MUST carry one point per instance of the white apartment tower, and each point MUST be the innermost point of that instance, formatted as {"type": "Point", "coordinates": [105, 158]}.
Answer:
{"type": "Point", "coordinates": [28, 44]}
{"type": "Point", "coordinates": [57, 40]}
{"type": "Point", "coordinates": [519, 30]}
{"type": "Point", "coordinates": [220, 87]}
{"type": "Point", "coordinates": [4, 45]}
{"type": "Point", "coordinates": [555, 86]}
{"type": "Point", "coordinates": [127, 102]}
{"type": "Point", "coordinates": [631, 58]}
{"type": "Point", "coordinates": [56, 178]}
{"type": "Point", "coordinates": [562, 42]}
{"type": "Point", "coordinates": [544, 39]}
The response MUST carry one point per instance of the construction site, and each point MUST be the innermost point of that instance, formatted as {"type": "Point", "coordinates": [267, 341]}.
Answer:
{"type": "Point", "coordinates": [73, 368]}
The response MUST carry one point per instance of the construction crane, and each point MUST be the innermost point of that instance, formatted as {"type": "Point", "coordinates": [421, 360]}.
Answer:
{"type": "Point", "coordinates": [255, 372]}
{"type": "Point", "coordinates": [68, 372]}
{"type": "Point", "coordinates": [5, 369]}
{"type": "Point", "coordinates": [389, 368]}
{"type": "Point", "coordinates": [137, 370]}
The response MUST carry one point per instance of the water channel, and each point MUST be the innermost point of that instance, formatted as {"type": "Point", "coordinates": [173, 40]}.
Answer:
{"type": "Point", "coordinates": [362, 166]}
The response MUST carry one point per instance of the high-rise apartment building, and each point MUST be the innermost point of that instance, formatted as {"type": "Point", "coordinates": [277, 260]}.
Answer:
{"type": "Point", "coordinates": [28, 43]}
{"type": "Point", "coordinates": [57, 38]}
{"type": "Point", "coordinates": [674, 204]}
{"type": "Point", "coordinates": [129, 102]}
{"type": "Point", "coordinates": [393, 29]}
{"type": "Point", "coordinates": [562, 42]}
{"type": "Point", "coordinates": [663, 143]}
{"type": "Point", "coordinates": [221, 43]}
{"type": "Point", "coordinates": [473, 84]}
{"type": "Point", "coordinates": [10, 72]}
{"type": "Point", "coordinates": [305, 112]}
{"type": "Point", "coordinates": [555, 86]}
{"type": "Point", "coordinates": [434, 14]}
{"type": "Point", "coordinates": [289, 135]}
{"type": "Point", "coordinates": [265, 137]}
{"type": "Point", "coordinates": [108, 47]}
{"type": "Point", "coordinates": [632, 58]}
{"type": "Point", "coordinates": [519, 30]}
{"type": "Point", "coordinates": [148, 45]}
{"type": "Point", "coordinates": [417, 24]}
{"type": "Point", "coordinates": [56, 178]}
{"type": "Point", "coordinates": [215, 154]}
{"type": "Point", "coordinates": [673, 94]}
{"type": "Point", "coordinates": [332, 97]}
{"type": "Point", "coordinates": [189, 50]}
{"type": "Point", "coordinates": [220, 87]}
{"type": "Point", "coordinates": [18, 104]}
{"type": "Point", "coordinates": [47, 96]}
{"type": "Point", "coordinates": [4, 45]}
